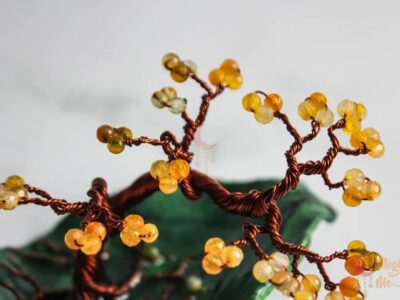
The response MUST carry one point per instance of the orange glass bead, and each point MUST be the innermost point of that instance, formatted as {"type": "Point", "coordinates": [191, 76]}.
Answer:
{"type": "Point", "coordinates": [168, 184]}
{"type": "Point", "coordinates": [96, 228]}
{"type": "Point", "coordinates": [159, 169]}
{"type": "Point", "coordinates": [373, 261]}
{"type": "Point", "coordinates": [358, 138]}
{"type": "Point", "coordinates": [311, 283]}
{"type": "Point", "coordinates": [230, 64]}
{"type": "Point", "coordinates": [354, 265]}
{"type": "Point", "coordinates": [319, 99]}
{"type": "Point", "coordinates": [280, 278]}
{"type": "Point", "coordinates": [232, 256]}
{"type": "Point", "coordinates": [212, 264]}
{"type": "Point", "coordinates": [179, 168]}
{"type": "Point", "coordinates": [73, 239]}
{"type": "Point", "coordinates": [216, 77]}
{"type": "Point", "coordinates": [214, 246]}
{"type": "Point", "coordinates": [274, 101]}
{"type": "Point", "coordinates": [130, 237]}
{"type": "Point", "coordinates": [133, 222]}
{"type": "Point", "coordinates": [352, 196]}
{"type": "Point", "coordinates": [148, 233]}
{"type": "Point", "coordinates": [91, 244]}
{"type": "Point", "coordinates": [349, 286]}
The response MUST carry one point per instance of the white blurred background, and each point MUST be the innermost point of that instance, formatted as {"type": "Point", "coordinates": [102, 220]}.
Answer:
{"type": "Point", "coordinates": [67, 67]}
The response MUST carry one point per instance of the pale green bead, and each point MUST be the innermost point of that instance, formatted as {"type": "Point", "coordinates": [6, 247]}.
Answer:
{"type": "Point", "coordinates": [191, 65]}
{"type": "Point", "coordinates": [160, 99]}
{"type": "Point", "coordinates": [178, 105]}
{"type": "Point", "coordinates": [324, 117]}
{"type": "Point", "coordinates": [264, 114]}
{"type": "Point", "coordinates": [194, 283]}
{"type": "Point", "coordinates": [346, 107]}
{"type": "Point", "coordinates": [280, 261]}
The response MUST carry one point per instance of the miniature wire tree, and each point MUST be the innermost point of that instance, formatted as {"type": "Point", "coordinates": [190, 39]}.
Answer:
{"type": "Point", "coordinates": [104, 216]}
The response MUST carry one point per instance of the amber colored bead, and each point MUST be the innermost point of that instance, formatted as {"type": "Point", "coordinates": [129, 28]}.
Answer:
{"type": "Point", "coordinates": [20, 191]}
{"type": "Point", "coordinates": [160, 99]}
{"type": "Point", "coordinates": [354, 177]}
{"type": "Point", "coordinates": [9, 200]}
{"type": "Point", "coordinates": [353, 124]}
{"type": "Point", "coordinates": [311, 283]}
{"type": "Point", "coordinates": [116, 144]}
{"type": "Point", "coordinates": [14, 181]}
{"type": "Point", "coordinates": [361, 111]}
{"type": "Point", "coordinates": [148, 233]}
{"type": "Point", "coordinates": [356, 247]}
{"type": "Point", "coordinates": [280, 261]}
{"type": "Point", "coordinates": [319, 99]}
{"type": "Point", "coordinates": [216, 77]}
{"type": "Point", "coordinates": [358, 138]}
{"type": "Point", "coordinates": [214, 246]}
{"type": "Point", "coordinates": [264, 114]}
{"type": "Point", "coordinates": [180, 73]}
{"type": "Point", "coordinates": [352, 196]}
{"type": "Point", "coordinates": [170, 60]}
{"type": "Point", "coordinates": [73, 238]}
{"type": "Point", "coordinates": [91, 244]}
{"type": "Point", "coordinates": [263, 271]}
{"type": "Point", "coordinates": [130, 237]}
{"type": "Point", "coordinates": [280, 278]}
{"type": "Point", "coordinates": [179, 169]}
{"type": "Point", "coordinates": [349, 286]}
{"type": "Point", "coordinates": [373, 261]}
{"type": "Point", "coordinates": [96, 228]}
{"type": "Point", "coordinates": [234, 80]}
{"type": "Point", "coordinates": [104, 133]}
{"type": "Point", "coordinates": [356, 298]}
{"type": "Point", "coordinates": [290, 288]}
{"type": "Point", "coordinates": [304, 295]}
{"type": "Point", "coordinates": [170, 92]}
{"type": "Point", "coordinates": [159, 169]}
{"type": "Point", "coordinates": [229, 64]}
{"type": "Point", "coordinates": [335, 295]}
{"type": "Point", "coordinates": [274, 101]}
{"type": "Point", "coordinates": [232, 256]}
{"type": "Point", "coordinates": [303, 111]}
{"type": "Point", "coordinates": [346, 107]}
{"type": "Point", "coordinates": [372, 134]}
{"type": "Point", "coordinates": [324, 117]}
{"type": "Point", "coordinates": [212, 264]}
{"type": "Point", "coordinates": [376, 149]}
{"type": "Point", "coordinates": [133, 222]}
{"type": "Point", "coordinates": [251, 102]}
{"type": "Point", "coordinates": [354, 265]}
{"type": "Point", "coordinates": [168, 184]}
{"type": "Point", "coordinates": [125, 132]}
{"type": "Point", "coordinates": [371, 190]}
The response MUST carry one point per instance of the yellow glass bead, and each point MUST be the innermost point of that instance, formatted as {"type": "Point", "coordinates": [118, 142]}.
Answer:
{"type": "Point", "coordinates": [116, 144]}
{"type": "Point", "coordinates": [324, 117]}
{"type": "Point", "coordinates": [346, 107]}
{"type": "Point", "coordinates": [356, 247]}
{"type": "Point", "coordinates": [280, 261]}
{"type": "Point", "coordinates": [159, 169]}
{"type": "Point", "coordinates": [281, 278]}
{"type": "Point", "coordinates": [21, 192]}
{"type": "Point", "coordinates": [304, 295]}
{"type": "Point", "coordinates": [9, 200]}
{"type": "Point", "coordinates": [274, 101]}
{"type": "Point", "coordinates": [263, 271]}
{"type": "Point", "coordinates": [168, 184]}
{"type": "Point", "coordinates": [133, 222]}
{"type": "Point", "coordinates": [376, 149]}
{"type": "Point", "coordinates": [179, 168]}
{"type": "Point", "coordinates": [251, 102]}
{"type": "Point", "coordinates": [311, 283]}
{"type": "Point", "coordinates": [319, 99]}
{"type": "Point", "coordinates": [234, 80]}
{"type": "Point", "coordinates": [361, 111]}
{"type": "Point", "coordinates": [214, 246]}
{"type": "Point", "coordinates": [354, 265]}
{"type": "Point", "coordinates": [170, 60]}
{"type": "Point", "coordinates": [353, 124]}
{"type": "Point", "coordinates": [232, 256]}
{"type": "Point", "coordinates": [308, 109]}
{"type": "Point", "coordinates": [358, 138]}
{"type": "Point", "coordinates": [354, 177]}
{"type": "Point", "coordinates": [349, 287]}
{"type": "Point", "coordinates": [73, 238]}
{"type": "Point", "coordinates": [290, 288]}
{"type": "Point", "coordinates": [14, 181]}
{"type": "Point", "coordinates": [335, 295]}
{"type": "Point", "coordinates": [264, 114]}
{"type": "Point", "coordinates": [160, 99]}
{"type": "Point", "coordinates": [371, 190]}
{"type": "Point", "coordinates": [125, 132]}
{"type": "Point", "coordinates": [212, 264]}
{"type": "Point", "coordinates": [96, 228]}
{"type": "Point", "coordinates": [180, 73]}
{"type": "Point", "coordinates": [148, 233]}
{"type": "Point", "coordinates": [303, 112]}
{"type": "Point", "coordinates": [91, 244]}
{"type": "Point", "coordinates": [170, 92]}
{"type": "Point", "coordinates": [104, 133]}
{"type": "Point", "coordinates": [130, 237]}
{"type": "Point", "coordinates": [229, 64]}
{"type": "Point", "coordinates": [216, 77]}
{"type": "Point", "coordinates": [373, 261]}
{"type": "Point", "coordinates": [372, 134]}
{"type": "Point", "coordinates": [352, 196]}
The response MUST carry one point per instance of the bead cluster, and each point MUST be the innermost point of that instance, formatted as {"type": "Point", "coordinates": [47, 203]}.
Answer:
{"type": "Point", "coordinates": [371, 139]}
{"type": "Point", "coordinates": [360, 259]}
{"type": "Point", "coordinates": [180, 69]}
{"type": "Point", "coordinates": [353, 113]}
{"type": "Point", "coordinates": [265, 110]}
{"type": "Point", "coordinates": [169, 174]}
{"type": "Point", "coordinates": [358, 188]}
{"type": "Point", "coordinates": [315, 108]}
{"type": "Point", "coordinates": [135, 230]}
{"type": "Point", "coordinates": [228, 73]}
{"type": "Point", "coordinates": [115, 138]}
{"type": "Point", "coordinates": [167, 97]}
{"type": "Point", "coordinates": [218, 255]}
{"type": "Point", "coordinates": [89, 241]}
{"type": "Point", "coordinates": [11, 191]}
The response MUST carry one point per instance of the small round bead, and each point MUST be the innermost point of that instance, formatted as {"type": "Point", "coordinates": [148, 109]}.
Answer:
{"type": "Point", "coordinates": [125, 132]}
{"type": "Point", "coordinates": [311, 283]}
{"type": "Point", "coordinates": [304, 295]}
{"type": "Point", "coordinates": [91, 244]}
{"type": "Point", "coordinates": [216, 77]}
{"type": "Point", "coordinates": [234, 80]}
{"type": "Point", "coordinates": [180, 72]}
{"type": "Point", "coordinates": [214, 246]}
{"type": "Point", "coordinates": [263, 271]}
{"type": "Point", "coordinates": [291, 287]}
{"type": "Point", "coordinates": [212, 264]}
{"type": "Point", "coordinates": [319, 99]}
{"type": "Point", "coordinates": [349, 286]}
{"type": "Point", "coordinates": [116, 144]}
{"type": "Point", "coordinates": [96, 228]}
{"type": "Point", "coordinates": [21, 192]}
{"type": "Point", "coordinates": [346, 107]}
{"type": "Point", "coordinates": [354, 177]}
{"type": "Point", "coordinates": [104, 133]}
{"type": "Point", "coordinates": [230, 64]}
{"type": "Point", "coordinates": [168, 184]}
{"type": "Point", "coordinates": [170, 60]}
{"type": "Point", "coordinates": [133, 222]}
{"type": "Point", "coordinates": [353, 124]}
{"type": "Point", "coordinates": [148, 233]}
{"type": "Point", "coordinates": [335, 295]}
{"type": "Point", "coordinates": [372, 134]}
{"type": "Point", "coordinates": [170, 92]}
{"type": "Point", "coordinates": [159, 169]}
{"type": "Point", "coordinates": [358, 138]}
{"type": "Point", "coordinates": [251, 102]}
{"type": "Point", "coordinates": [303, 111]}
{"type": "Point", "coordinates": [14, 181]}
{"type": "Point", "coordinates": [324, 117]}
{"type": "Point", "coordinates": [191, 65]}
{"type": "Point", "coordinates": [194, 283]}
{"type": "Point", "coordinates": [280, 261]}
{"type": "Point", "coordinates": [281, 278]}
{"type": "Point", "coordinates": [361, 111]}
{"type": "Point", "coordinates": [356, 247]}
{"type": "Point", "coordinates": [160, 99]}
{"type": "Point", "coordinates": [264, 114]}
{"type": "Point", "coordinates": [354, 265]}
{"type": "Point", "coordinates": [178, 105]}
{"type": "Point", "coordinates": [376, 149]}
{"type": "Point", "coordinates": [352, 196]}
{"type": "Point", "coordinates": [371, 190]}
{"type": "Point", "coordinates": [130, 237]}
{"type": "Point", "coordinates": [373, 261]}
{"type": "Point", "coordinates": [73, 238]}
{"type": "Point", "coordinates": [9, 200]}
{"type": "Point", "coordinates": [274, 101]}
{"type": "Point", "coordinates": [232, 256]}
{"type": "Point", "coordinates": [179, 168]}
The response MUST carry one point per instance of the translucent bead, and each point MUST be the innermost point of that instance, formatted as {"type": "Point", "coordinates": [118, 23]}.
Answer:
{"type": "Point", "coordinates": [180, 73]}
{"type": "Point", "coordinates": [353, 124]}
{"type": "Point", "coordinates": [280, 278]}
{"type": "Point", "coordinates": [125, 132]}
{"type": "Point", "coordinates": [373, 261]}
{"type": "Point", "coordinates": [3, 189]}
{"type": "Point", "coordinates": [280, 261]}
{"type": "Point", "coordinates": [372, 134]}
{"type": "Point", "coordinates": [133, 222]}
{"type": "Point", "coordinates": [356, 247]}
{"type": "Point", "coordinates": [311, 283]}
{"type": "Point", "coordinates": [212, 264]}
{"type": "Point", "coordinates": [178, 105]}
{"type": "Point", "coordinates": [263, 271]}
{"type": "Point", "coordinates": [232, 256]}
{"type": "Point", "coordinates": [335, 295]}
{"type": "Point", "coordinates": [354, 265]}
{"type": "Point", "coordinates": [304, 295]}
{"type": "Point", "coordinates": [376, 149]}
{"type": "Point", "coordinates": [303, 112]}
{"type": "Point", "coordinates": [214, 246]}
{"type": "Point", "coordinates": [179, 168]}
{"type": "Point", "coordinates": [130, 237]}
{"type": "Point", "coordinates": [274, 101]}
{"type": "Point", "coordinates": [14, 181]}
{"type": "Point", "coordinates": [116, 144]}
{"type": "Point", "coordinates": [170, 60]}
{"type": "Point", "coordinates": [371, 190]}
{"type": "Point", "coordinates": [160, 99]}
{"type": "Point", "coordinates": [234, 81]}
{"type": "Point", "coordinates": [264, 114]}
{"type": "Point", "coordinates": [91, 244]}
{"type": "Point", "coordinates": [290, 288]}
{"type": "Point", "coordinates": [73, 238]}
{"type": "Point", "coordinates": [9, 200]}
{"type": "Point", "coordinates": [168, 184]}
{"type": "Point", "coordinates": [324, 117]}
{"type": "Point", "coordinates": [170, 92]}
{"type": "Point", "coordinates": [191, 65]}
{"type": "Point", "coordinates": [104, 133]}
{"type": "Point", "coordinates": [21, 192]}
{"type": "Point", "coordinates": [251, 102]}
{"type": "Point", "coordinates": [148, 233]}
{"type": "Point", "coordinates": [361, 111]}
{"type": "Point", "coordinates": [354, 177]}
{"type": "Point", "coordinates": [319, 99]}
{"type": "Point", "coordinates": [96, 228]}
{"type": "Point", "coordinates": [194, 283]}
{"type": "Point", "coordinates": [352, 196]}
{"type": "Point", "coordinates": [159, 169]}
{"type": "Point", "coordinates": [358, 138]}
{"type": "Point", "coordinates": [216, 77]}
{"type": "Point", "coordinates": [230, 64]}
{"type": "Point", "coordinates": [349, 286]}
{"type": "Point", "coordinates": [346, 107]}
